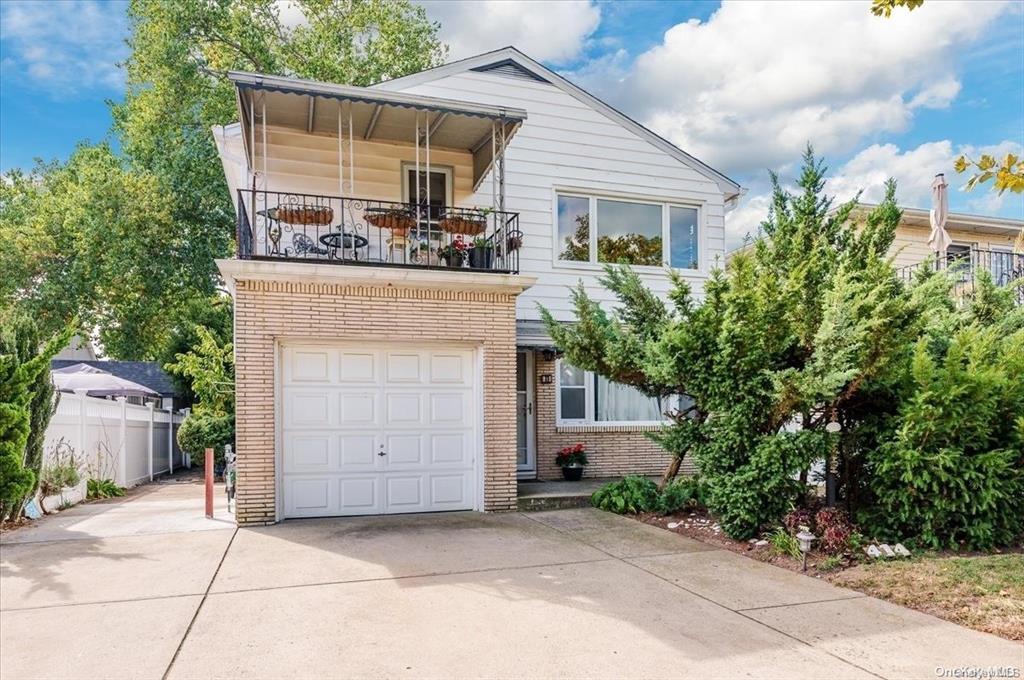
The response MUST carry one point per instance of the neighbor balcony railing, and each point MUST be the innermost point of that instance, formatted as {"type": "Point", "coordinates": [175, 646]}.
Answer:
{"type": "Point", "coordinates": [278, 225]}
{"type": "Point", "coordinates": [1005, 267]}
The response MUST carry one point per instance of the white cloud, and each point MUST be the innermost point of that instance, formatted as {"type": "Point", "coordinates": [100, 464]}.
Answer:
{"type": "Point", "coordinates": [65, 48]}
{"type": "Point", "coordinates": [552, 31]}
{"type": "Point", "coordinates": [750, 86]}
{"type": "Point", "coordinates": [867, 172]}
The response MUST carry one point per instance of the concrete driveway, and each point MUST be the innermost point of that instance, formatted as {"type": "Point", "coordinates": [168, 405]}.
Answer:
{"type": "Point", "coordinates": [143, 590]}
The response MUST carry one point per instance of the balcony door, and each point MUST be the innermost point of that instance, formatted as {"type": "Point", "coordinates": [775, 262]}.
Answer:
{"type": "Point", "coordinates": [440, 193]}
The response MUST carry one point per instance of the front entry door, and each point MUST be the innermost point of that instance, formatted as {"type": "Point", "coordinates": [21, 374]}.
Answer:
{"type": "Point", "coordinates": [526, 460]}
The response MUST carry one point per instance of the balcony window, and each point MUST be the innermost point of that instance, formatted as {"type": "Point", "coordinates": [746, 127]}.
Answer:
{"type": "Point", "coordinates": [618, 231]}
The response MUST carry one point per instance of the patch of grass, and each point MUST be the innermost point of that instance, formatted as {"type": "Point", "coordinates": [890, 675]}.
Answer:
{"type": "Point", "coordinates": [985, 592]}
{"type": "Point", "coordinates": [830, 563]}
{"type": "Point", "coordinates": [784, 543]}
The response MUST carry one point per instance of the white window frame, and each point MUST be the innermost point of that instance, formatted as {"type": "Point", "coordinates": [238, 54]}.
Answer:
{"type": "Point", "coordinates": [666, 247]}
{"type": "Point", "coordinates": [590, 416]}
{"type": "Point", "coordinates": [447, 170]}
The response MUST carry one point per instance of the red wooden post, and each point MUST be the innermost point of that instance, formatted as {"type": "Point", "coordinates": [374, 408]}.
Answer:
{"type": "Point", "coordinates": [209, 483]}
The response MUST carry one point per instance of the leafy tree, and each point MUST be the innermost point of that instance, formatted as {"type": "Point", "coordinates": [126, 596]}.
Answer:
{"type": "Point", "coordinates": [1007, 173]}
{"type": "Point", "coordinates": [884, 8]}
{"type": "Point", "coordinates": [790, 334]}
{"type": "Point", "coordinates": [20, 368]}
{"type": "Point", "coordinates": [92, 238]}
{"type": "Point", "coordinates": [210, 369]}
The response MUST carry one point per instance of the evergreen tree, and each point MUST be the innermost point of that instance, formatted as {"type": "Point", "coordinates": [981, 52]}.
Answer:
{"type": "Point", "coordinates": [789, 336]}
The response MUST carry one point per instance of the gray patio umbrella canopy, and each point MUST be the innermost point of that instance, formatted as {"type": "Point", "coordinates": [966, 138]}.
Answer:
{"type": "Point", "coordinates": [97, 382]}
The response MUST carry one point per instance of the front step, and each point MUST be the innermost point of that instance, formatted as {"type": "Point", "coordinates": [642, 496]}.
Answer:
{"type": "Point", "coordinates": [540, 503]}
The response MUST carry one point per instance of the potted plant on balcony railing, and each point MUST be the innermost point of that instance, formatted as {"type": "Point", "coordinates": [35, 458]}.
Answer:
{"type": "Point", "coordinates": [454, 254]}
{"type": "Point", "coordinates": [572, 460]}
{"type": "Point", "coordinates": [481, 255]}
{"type": "Point", "coordinates": [466, 222]}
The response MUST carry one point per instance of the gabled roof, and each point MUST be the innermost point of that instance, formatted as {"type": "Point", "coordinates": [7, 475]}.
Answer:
{"type": "Point", "coordinates": [505, 57]}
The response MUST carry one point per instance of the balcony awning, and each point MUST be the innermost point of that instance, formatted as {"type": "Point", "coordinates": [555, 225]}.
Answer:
{"type": "Point", "coordinates": [379, 115]}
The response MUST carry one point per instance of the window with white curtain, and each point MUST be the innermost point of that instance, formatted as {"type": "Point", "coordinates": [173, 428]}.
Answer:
{"type": "Point", "coordinates": [585, 397]}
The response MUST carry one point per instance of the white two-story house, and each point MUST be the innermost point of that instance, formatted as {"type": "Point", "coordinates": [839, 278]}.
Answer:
{"type": "Point", "coordinates": [394, 243]}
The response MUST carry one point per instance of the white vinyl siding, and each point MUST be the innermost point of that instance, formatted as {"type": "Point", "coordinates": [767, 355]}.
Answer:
{"type": "Point", "coordinates": [567, 147]}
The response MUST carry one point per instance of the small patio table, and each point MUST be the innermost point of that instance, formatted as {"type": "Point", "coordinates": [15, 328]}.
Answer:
{"type": "Point", "coordinates": [336, 240]}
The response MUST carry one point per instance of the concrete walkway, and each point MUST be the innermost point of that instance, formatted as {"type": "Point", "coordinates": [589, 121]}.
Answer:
{"type": "Point", "coordinates": [569, 593]}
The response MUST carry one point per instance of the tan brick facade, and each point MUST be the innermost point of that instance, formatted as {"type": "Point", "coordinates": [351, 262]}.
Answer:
{"type": "Point", "coordinates": [268, 311]}
{"type": "Point", "coordinates": [613, 451]}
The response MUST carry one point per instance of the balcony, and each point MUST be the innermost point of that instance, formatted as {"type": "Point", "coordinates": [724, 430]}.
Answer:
{"type": "Point", "coordinates": [297, 227]}
{"type": "Point", "coordinates": [1006, 268]}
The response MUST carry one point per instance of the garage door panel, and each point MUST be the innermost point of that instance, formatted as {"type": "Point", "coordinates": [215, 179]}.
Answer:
{"type": "Point", "coordinates": [309, 497]}
{"type": "Point", "coordinates": [358, 409]}
{"type": "Point", "coordinates": [359, 495]}
{"type": "Point", "coordinates": [448, 407]}
{"type": "Point", "coordinates": [447, 491]}
{"type": "Point", "coordinates": [403, 408]}
{"type": "Point", "coordinates": [357, 452]}
{"type": "Point", "coordinates": [307, 409]}
{"type": "Point", "coordinates": [404, 494]}
{"type": "Point", "coordinates": [417, 406]}
{"type": "Point", "coordinates": [404, 367]}
{"type": "Point", "coordinates": [451, 448]}
{"type": "Point", "coordinates": [357, 367]}
{"type": "Point", "coordinates": [308, 365]}
{"type": "Point", "coordinates": [310, 453]}
{"type": "Point", "coordinates": [404, 449]}
{"type": "Point", "coordinates": [448, 368]}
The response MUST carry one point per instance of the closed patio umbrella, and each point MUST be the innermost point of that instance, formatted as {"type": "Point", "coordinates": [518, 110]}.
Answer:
{"type": "Point", "coordinates": [97, 382]}
{"type": "Point", "coordinates": [939, 240]}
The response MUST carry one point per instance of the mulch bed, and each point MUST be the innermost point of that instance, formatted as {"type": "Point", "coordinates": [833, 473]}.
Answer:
{"type": "Point", "coordinates": [917, 582]}
{"type": "Point", "coordinates": [698, 524]}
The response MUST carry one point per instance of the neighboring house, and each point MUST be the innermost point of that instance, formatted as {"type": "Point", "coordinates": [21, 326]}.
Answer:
{"type": "Point", "coordinates": [380, 369]}
{"type": "Point", "coordinates": [146, 373]}
{"type": "Point", "coordinates": [979, 243]}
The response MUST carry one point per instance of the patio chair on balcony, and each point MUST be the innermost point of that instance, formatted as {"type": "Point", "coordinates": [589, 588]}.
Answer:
{"type": "Point", "coordinates": [304, 245]}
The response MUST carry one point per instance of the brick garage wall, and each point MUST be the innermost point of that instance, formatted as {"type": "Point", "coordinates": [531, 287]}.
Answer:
{"type": "Point", "coordinates": [266, 311]}
{"type": "Point", "coordinates": [613, 451]}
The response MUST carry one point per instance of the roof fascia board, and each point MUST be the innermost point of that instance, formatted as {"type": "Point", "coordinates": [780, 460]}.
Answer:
{"type": "Point", "coordinates": [255, 81]}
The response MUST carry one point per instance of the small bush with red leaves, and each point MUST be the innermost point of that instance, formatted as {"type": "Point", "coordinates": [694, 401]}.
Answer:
{"type": "Point", "coordinates": [795, 519]}
{"type": "Point", "coordinates": [834, 530]}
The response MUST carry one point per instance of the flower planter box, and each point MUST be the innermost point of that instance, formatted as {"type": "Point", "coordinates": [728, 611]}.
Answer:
{"type": "Point", "coordinates": [71, 495]}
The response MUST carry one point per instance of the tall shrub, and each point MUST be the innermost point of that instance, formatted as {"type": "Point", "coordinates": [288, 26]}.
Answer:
{"type": "Point", "coordinates": [23, 338]}
{"type": "Point", "coordinates": [18, 373]}
{"type": "Point", "coordinates": [953, 475]}
{"type": "Point", "coordinates": [791, 333]}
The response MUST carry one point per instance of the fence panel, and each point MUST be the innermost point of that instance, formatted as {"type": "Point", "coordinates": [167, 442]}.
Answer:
{"type": "Point", "coordinates": [111, 442]}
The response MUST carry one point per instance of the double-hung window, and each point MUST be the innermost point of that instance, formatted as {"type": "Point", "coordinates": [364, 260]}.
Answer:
{"type": "Point", "coordinates": [587, 398]}
{"type": "Point", "coordinates": [618, 231]}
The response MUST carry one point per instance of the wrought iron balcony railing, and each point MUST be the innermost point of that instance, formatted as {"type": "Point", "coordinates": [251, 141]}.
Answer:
{"type": "Point", "coordinates": [964, 265]}
{"type": "Point", "coordinates": [277, 225]}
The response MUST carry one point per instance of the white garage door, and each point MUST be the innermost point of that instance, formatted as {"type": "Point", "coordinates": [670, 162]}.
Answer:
{"type": "Point", "coordinates": [370, 431]}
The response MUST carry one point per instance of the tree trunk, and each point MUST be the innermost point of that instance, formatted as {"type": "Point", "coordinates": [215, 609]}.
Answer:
{"type": "Point", "coordinates": [670, 472]}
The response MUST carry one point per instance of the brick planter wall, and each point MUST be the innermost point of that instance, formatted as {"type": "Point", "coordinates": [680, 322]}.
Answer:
{"type": "Point", "coordinates": [613, 451]}
{"type": "Point", "coordinates": [266, 311]}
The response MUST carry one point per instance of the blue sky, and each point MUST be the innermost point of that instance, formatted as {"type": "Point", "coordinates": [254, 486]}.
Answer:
{"type": "Point", "coordinates": [741, 85]}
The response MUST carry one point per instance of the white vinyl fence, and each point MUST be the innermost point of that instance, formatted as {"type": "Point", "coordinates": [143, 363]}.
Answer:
{"type": "Point", "coordinates": [116, 440]}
